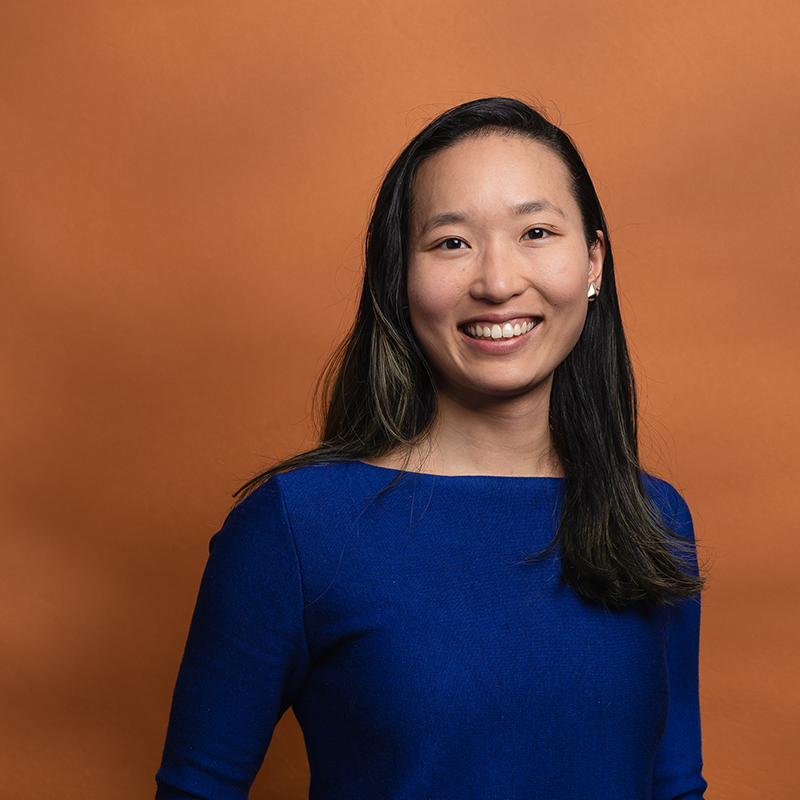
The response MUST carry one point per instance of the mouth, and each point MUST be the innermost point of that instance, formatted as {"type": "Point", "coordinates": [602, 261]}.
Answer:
{"type": "Point", "coordinates": [493, 330]}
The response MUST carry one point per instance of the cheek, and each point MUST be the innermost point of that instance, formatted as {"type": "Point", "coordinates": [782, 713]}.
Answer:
{"type": "Point", "coordinates": [571, 300]}
{"type": "Point", "coordinates": [572, 314]}
{"type": "Point", "coordinates": [431, 301]}
{"type": "Point", "coordinates": [565, 284]}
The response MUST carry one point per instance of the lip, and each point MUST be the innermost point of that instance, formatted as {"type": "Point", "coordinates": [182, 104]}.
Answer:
{"type": "Point", "coordinates": [499, 346]}
{"type": "Point", "coordinates": [494, 318]}
{"type": "Point", "coordinates": [497, 318]}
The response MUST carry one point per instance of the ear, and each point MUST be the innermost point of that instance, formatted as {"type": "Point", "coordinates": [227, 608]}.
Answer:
{"type": "Point", "coordinates": [597, 255]}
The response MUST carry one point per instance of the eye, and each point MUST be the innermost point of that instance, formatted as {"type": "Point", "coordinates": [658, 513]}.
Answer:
{"type": "Point", "coordinates": [535, 233]}
{"type": "Point", "coordinates": [452, 244]}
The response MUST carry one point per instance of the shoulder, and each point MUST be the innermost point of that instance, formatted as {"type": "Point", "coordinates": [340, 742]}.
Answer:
{"type": "Point", "coordinates": [670, 505]}
{"type": "Point", "coordinates": [303, 520]}
{"type": "Point", "coordinates": [318, 484]}
{"type": "Point", "coordinates": [664, 494]}
{"type": "Point", "coordinates": [318, 491]}
{"type": "Point", "coordinates": [266, 537]}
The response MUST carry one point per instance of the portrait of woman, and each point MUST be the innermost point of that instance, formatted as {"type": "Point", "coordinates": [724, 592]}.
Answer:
{"type": "Point", "coordinates": [387, 388]}
{"type": "Point", "coordinates": [469, 588]}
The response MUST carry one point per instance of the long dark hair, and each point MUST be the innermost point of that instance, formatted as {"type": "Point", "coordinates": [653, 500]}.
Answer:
{"type": "Point", "coordinates": [379, 393]}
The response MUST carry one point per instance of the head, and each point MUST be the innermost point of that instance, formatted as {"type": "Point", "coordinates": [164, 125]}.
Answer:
{"type": "Point", "coordinates": [397, 367]}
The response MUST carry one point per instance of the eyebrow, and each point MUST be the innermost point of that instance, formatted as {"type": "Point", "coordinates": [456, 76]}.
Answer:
{"type": "Point", "coordinates": [534, 206]}
{"type": "Point", "coordinates": [455, 217]}
{"type": "Point", "coordinates": [439, 220]}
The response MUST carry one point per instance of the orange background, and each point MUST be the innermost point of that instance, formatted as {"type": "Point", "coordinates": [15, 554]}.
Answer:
{"type": "Point", "coordinates": [185, 186]}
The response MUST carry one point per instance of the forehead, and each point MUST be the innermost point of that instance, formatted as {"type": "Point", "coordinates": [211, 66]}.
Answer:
{"type": "Point", "coordinates": [494, 170]}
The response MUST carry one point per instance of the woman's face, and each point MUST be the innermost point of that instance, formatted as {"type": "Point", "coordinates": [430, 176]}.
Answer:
{"type": "Point", "coordinates": [499, 269]}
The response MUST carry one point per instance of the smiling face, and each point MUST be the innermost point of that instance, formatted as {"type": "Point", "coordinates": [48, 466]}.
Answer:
{"type": "Point", "coordinates": [499, 269]}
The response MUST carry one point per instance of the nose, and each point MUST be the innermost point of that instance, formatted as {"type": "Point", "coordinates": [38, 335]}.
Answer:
{"type": "Point", "coordinates": [499, 276]}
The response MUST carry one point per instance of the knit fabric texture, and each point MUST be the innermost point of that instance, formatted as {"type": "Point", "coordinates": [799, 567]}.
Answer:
{"type": "Point", "coordinates": [425, 655]}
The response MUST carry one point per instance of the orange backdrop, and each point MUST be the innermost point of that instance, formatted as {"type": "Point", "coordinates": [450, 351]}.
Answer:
{"type": "Point", "coordinates": [184, 191]}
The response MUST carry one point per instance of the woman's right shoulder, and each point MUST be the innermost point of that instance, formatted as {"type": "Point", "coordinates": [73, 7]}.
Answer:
{"type": "Point", "coordinates": [303, 516]}
{"type": "Point", "coordinates": [309, 483]}
{"type": "Point", "coordinates": [321, 491]}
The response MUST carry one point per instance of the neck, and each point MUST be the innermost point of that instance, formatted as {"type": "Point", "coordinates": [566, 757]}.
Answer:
{"type": "Point", "coordinates": [510, 437]}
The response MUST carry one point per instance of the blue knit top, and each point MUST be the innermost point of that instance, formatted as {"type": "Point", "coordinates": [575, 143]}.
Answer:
{"type": "Point", "coordinates": [423, 655]}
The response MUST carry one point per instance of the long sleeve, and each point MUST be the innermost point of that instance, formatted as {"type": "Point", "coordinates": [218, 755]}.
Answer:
{"type": "Point", "coordinates": [679, 763]}
{"type": "Point", "coordinates": [245, 658]}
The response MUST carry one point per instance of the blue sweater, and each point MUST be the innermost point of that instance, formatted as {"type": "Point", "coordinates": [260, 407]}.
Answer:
{"type": "Point", "coordinates": [423, 656]}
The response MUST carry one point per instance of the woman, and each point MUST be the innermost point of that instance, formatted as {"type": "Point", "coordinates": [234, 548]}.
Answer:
{"type": "Point", "coordinates": [468, 589]}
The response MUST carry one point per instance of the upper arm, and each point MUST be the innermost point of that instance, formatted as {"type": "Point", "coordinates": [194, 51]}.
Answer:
{"type": "Point", "coordinates": [678, 764]}
{"type": "Point", "coordinates": [245, 659]}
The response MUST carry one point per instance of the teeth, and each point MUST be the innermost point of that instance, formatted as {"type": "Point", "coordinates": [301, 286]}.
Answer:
{"type": "Point", "coordinates": [507, 331]}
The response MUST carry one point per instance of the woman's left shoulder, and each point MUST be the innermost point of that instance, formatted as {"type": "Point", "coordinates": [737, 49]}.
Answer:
{"type": "Point", "coordinates": [670, 504]}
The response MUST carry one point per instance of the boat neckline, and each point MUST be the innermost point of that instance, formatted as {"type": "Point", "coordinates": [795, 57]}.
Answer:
{"type": "Point", "coordinates": [412, 472]}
